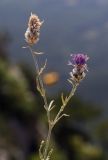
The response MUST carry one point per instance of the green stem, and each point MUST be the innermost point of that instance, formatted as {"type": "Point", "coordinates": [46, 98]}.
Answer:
{"type": "Point", "coordinates": [64, 105]}
{"type": "Point", "coordinates": [47, 142]}
{"type": "Point", "coordinates": [51, 124]}
{"type": "Point", "coordinates": [39, 77]}
{"type": "Point", "coordinates": [46, 105]}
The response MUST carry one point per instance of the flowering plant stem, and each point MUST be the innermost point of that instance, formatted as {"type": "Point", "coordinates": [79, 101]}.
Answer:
{"type": "Point", "coordinates": [44, 151]}
{"type": "Point", "coordinates": [47, 142]}
{"type": "Point", "coordinates": [57, 118]}
{"type": "Point", "coordinates": [78, 62]}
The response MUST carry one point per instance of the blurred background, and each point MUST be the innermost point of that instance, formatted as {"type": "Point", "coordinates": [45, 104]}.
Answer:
{"type": "Point", "coordinates": [70, 26]}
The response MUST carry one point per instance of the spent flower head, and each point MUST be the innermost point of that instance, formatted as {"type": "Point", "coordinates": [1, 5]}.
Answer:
{"type": "Point", "coordinates": [78, 61]}
{"type": "Point", "coordinates": [33, 31]}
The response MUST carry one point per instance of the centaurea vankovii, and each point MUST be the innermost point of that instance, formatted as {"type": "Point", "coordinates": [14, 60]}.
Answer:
{"type": "Point", "coordinates": [78, 61]}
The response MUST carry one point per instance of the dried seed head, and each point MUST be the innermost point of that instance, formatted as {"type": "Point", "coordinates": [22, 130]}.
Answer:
{"type": "Point", "coordinates": [34, 23]}
{"type": "Point", "coordinates": [30, 37]}
{"type": "Point", "coordinates": [33, 31]}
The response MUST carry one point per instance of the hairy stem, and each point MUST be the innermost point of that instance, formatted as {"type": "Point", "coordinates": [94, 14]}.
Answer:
{"type": "Point", "coordinates": [39, 77]}
{"type": "Point", "coordinates": [56, 120]}
{"type": "Point", "coordinates": [51, 124]}
{"type": "Point", "coordinates": [64, 104]}
{"type": "Point", "coordinates": [46, 104]}
{"type": "Point", "coordinates": [47, 142]}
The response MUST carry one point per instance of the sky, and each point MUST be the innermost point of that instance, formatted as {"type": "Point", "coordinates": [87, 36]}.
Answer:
{"type": "Point", "coordinates": [70, 26]}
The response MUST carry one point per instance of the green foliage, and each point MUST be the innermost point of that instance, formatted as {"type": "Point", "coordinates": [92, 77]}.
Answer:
{"type": "Point", "coordinates": [83, 111]}
{"type": "Point", "coordinates": [14, 89]}
{"type": "Point", "coordinates": [86, 150]}
{"type": "Point", "coordinates": [102, 131]}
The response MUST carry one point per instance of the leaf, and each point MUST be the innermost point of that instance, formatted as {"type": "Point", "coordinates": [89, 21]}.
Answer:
{"type": "Point", "coordinates": [39, 87]}
{"type": "Point", "coordinates": [25, 46]}
{"type": "Point", "coordinates": [66, 115]}
{"type": "Point", "coordinates": [40, 150]}
{"type": "Point", "coordinates": [45, 107]}
{"type": "Point", "coordinates": [50, 105]}
{"type": "Point", "coordinates": [38, 53]}
{"type": "Point", "coordinates": [62, 98]}
{"type": "Point", "coordinates": [63, 115]}
{"type": "Point", "coordinates": [70, 81]}
{"type": "Point", "coordinates": [41, 70]}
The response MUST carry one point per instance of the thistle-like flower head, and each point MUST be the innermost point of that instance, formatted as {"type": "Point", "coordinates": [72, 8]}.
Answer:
{"type": "Point", "coordinates": [78, 61]}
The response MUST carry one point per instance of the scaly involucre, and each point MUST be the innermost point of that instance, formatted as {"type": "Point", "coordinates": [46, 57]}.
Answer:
{"type": "Point", "coordinates": [78, 61]}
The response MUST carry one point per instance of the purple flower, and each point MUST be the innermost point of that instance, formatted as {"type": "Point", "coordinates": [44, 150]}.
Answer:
{"type": "Point", "coordinates": [78, 61]}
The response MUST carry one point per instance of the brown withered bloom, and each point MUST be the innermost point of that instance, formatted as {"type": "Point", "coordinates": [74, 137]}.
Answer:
{"type": "Point", "coordinates": [33, 31]}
